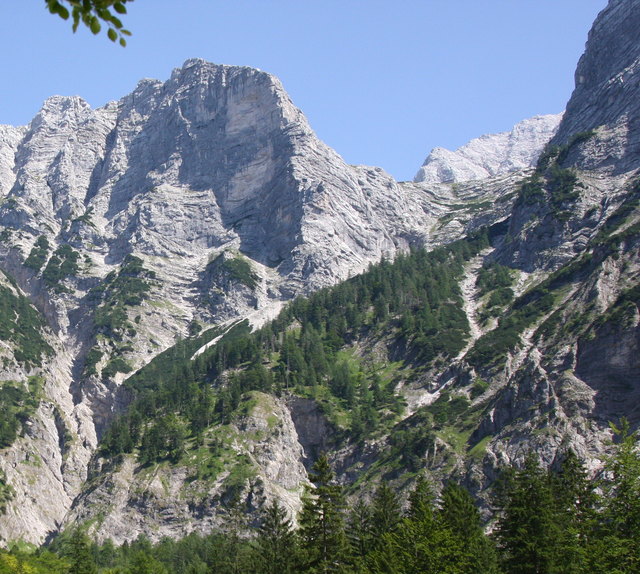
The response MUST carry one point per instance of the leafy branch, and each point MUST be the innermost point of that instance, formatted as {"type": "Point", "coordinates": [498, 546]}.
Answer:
{"type": "Point", "coordinates": [91, 13]}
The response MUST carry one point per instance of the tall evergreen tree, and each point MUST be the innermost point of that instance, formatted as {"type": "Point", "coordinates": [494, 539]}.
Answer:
{"type": "Point", "coordinates": [322, 522]}
{"type": "Point", "coordinates": [275, 546]}
{"type": "Point", "coordinates": [385, 510]}
{"type": "Point", "coordinates": [80, 555]}
{"type": "Point", "coordinates": [460, 515]}
{"type": "Point", "coordinates": [527, 530]}
{"type": "Point", "coordinates": [617, 548]}
{"type": "Point", "coordinates": [576, 502]}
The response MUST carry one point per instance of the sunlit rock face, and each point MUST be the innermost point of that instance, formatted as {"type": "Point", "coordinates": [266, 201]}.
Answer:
{"type": "Point", "coordinates": [212, 190]}
{"type": "Point", "coordinates": [491, 155]}
{"type": "Point", "coordinates": [605, 98]}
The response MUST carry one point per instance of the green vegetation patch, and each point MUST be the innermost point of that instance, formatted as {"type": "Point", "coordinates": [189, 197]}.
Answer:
{"type": "Point", "coordinates": [38, 255]}
{"type": "Point", "coordinates": [62, 264]}
{"type": "Point", "coordinates": [18, 402]}
{"type": "Point", "coordinates": [6, 491]}
{"type": "Point", "coordinates": [127, 287]}
{"type": "Point", "coordinates": [551, 183]}
{"type": "Point", "coordinates": [239, 269]}
{"type": "Point", "coordinates": [493, 346]}
{"type": "Point", "coordinates": [412, 304]}
{"type": "Point", "coordinates": [22, 325]}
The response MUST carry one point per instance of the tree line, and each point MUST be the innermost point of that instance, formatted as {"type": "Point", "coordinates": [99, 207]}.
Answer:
{"type": "Point", "coordinates": [414, 300]}
{"type": "Point", "coordinates": [544, 521]}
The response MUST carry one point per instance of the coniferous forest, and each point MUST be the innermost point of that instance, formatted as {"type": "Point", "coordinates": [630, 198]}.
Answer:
{"type": "Point", "coordinates": [538, 521]}
{"type": "Point", "coordinates": [542, 521]}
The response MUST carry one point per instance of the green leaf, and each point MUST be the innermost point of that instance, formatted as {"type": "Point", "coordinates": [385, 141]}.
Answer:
{"type": "Point", "coordinates": [115, 21]}
{"type": "Point", "coordinates": [95, 26]}
{"type": "Point", "coordinates": [120, 8]}
{"type": "Point", "coordinates": [113, 35]}
{"type": "Point", "coordinates": [53, 6]}
{"type": "Point", "coordinates": [123, 42]}
{"type": "Point", "coordinates": [63, 12]}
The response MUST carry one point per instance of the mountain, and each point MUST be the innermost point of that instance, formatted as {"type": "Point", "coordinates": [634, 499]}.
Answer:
{"type": "Point", "coordinates": [491, 155]}
{"type": "Point", "coordinates": [187, 204]}
{"type": "Point", "coordinates": [449, 328]}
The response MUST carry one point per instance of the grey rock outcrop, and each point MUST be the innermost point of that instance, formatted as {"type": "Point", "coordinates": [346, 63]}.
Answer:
{"type": "Point", "coordinates": [491, 155]}
{"type": "Point", "coordinates": [214, 194]}
{"type": "Point", "coordinates": [605, 98]}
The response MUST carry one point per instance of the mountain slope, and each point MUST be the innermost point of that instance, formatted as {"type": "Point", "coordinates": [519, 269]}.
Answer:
{"type": "Point", "coordinates": [144, 232]}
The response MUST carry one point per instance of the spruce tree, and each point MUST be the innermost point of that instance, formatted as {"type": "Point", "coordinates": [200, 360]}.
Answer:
{"type": "Point", "coordinates": [460, 515]}
{"type": "Point", "coordinates": [527, 530]}
{"type": "Point", "coordinates": [617, 546]}
{"type": "Point", "coordinates": [322, 522]}
{"type": "Point", "coordinates": [80, 555]}
{"type": "Point", "coordinates": [275, 549]}
{"type": "Point", "coordinates": [385, 510]}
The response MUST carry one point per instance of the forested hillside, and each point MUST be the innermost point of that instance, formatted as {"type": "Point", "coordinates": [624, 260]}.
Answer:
{"type": "Point", "coordinates": [544, 521]}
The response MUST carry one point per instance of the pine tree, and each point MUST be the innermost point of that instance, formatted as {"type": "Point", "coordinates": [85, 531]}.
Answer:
{"type": "Point", "coordinates": [322, 523]}
{"type": "Point", "coordinates": [385, 511]}
{"type": "Point", "coordinates": [527, 530]}
{"type": "Point", "coordinates": [617, 547]}
{"type": "Point", "coordinates": [576, 502]}
{"type": "Point", "coordinates": [275, 545]}
{"type": "Point", "coordinates": [359, 531]}
{"type": "Point", "coordinates": [80, 555]}
{"type": "Point", "coordinates": [460, 515]}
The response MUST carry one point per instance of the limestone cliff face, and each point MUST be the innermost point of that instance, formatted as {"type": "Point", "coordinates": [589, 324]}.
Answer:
{"type": "Point", "coordinates": [605, 97]}
{"type": "Point", "coordinates": [491, 155]}
{"type": "Point", "coordinates": [207, 198]}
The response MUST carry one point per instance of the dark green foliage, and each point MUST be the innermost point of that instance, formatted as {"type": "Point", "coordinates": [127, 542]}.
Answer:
{"type": "Point", "coordinates": [527, 530]}
{"type": "Point", "coordinates": [416, 300]}
{"type": "Point", "coordinates": [92, 359]}
{"type": "Point", "coordinates": [91, 13]}
{"type": "Point", "coordinates": [6, 490]}
{"type": "Point", "coordinates": [460, 515]}
{"type": "Point", "coordinates": [163, 438]}
{"type": "Point", "coordinates": [617, 546]}
{"type": "Point", "coordinates": [275, 544]}
{"type": "Point", "coordinates": [531, 191]}
{"type": "Point", "coordinates": [115, 365]}
{"type": "Point", "coordinates": [493, 276]}
{"type": "Point", "coordinates": [322, 522]}
{"type": "Point", "coordinates": [422, 542]}
{"type": "Point", "coordinates": [238, 269]}
{"type": "Point", "coordinates": [551, 183]}
{"type": "Point", "coordinates": [385, 512]}
{"type": "Point", "coordinates": [62, 264]}
{"type": "Point", "coordinates": [525, 311]}
{"type": "Point", "coordinates": [78, 552]}
{"type": "Point", "coordinates": [548, 521]}
{"type": "Point", "coordinates": [447, 409]}
{"type": "Point", "coordinates": [17, 404]}
{"type": "Point", "coordinates": [38, 255]}
{"type": "Point", "coordinates": [22, 325]}
{"type": "Point", "coordinates": [126, 288]}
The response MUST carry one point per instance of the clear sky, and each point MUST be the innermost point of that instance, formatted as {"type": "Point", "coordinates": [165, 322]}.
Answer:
{"type": "Point", "coordinates": [382, 82]}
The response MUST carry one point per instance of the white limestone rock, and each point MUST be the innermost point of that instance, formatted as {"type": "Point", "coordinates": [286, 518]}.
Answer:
{"type": "Point", "coordinates": [491, 155]}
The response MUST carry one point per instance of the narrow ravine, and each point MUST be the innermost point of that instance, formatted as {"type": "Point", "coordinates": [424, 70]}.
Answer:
{"type": "Point", "coordinates": [470, 299]}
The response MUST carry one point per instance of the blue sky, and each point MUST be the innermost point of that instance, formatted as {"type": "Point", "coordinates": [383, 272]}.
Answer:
{"type": "Point", "coordinates": [382, 82]}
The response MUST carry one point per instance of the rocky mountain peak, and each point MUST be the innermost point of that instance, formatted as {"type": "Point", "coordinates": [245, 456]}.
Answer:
{"type": "Point", "coordinates": [606, 97]}
{"type": "Point", "coordinates": [491, 155]}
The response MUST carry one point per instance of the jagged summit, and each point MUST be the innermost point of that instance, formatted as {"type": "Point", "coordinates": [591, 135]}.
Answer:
{"type": "Point", "coordinates": [490, 155]}
{"type": "Point", "coordinates": [199, 201]}
{"type": "Point", "coordinates": [606, 97]}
